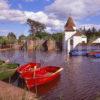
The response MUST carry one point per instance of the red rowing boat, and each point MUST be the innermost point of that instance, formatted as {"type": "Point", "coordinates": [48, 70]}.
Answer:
{"type": "Point", "coordinates": [41, 75]}
{"type": "Point", "coordinates": [27, 67]}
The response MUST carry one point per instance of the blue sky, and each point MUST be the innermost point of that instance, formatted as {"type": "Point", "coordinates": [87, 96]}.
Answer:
{"type": "Point", "coordinates": [30, 5]}
{"type": "Point", "coordinates": [53, 13]}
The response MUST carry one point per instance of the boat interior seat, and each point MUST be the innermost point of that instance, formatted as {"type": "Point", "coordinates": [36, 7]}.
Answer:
{"type": "Point", "coordinates": [48, 74]}
{"type": "Point", "coordinates": [44, 75]}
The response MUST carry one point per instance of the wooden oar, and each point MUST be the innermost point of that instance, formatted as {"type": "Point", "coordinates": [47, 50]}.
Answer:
{"type": "Point", "coordinates": [58, 71]}
{"type": "Point", "coordinates": [34, 71]}
{"type": "Point", "coordinates": [35, 81]}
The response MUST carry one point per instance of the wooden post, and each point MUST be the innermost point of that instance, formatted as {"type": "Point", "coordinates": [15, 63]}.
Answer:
{"type": "Point", "coordinates": [35, 80]}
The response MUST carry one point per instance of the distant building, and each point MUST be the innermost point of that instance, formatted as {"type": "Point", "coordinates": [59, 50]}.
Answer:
{"type": "Point", "coordinates": [72, 36]}
{"type": "Point", "coordinates": [96, 41]}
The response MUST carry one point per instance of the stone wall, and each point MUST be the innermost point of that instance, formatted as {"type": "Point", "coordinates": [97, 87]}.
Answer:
{"type": "Point", "coordinates": [51, 45]}
{"type": "Point", "coordinates": [45, 45]}
{"type": "Point", "coordinates": [34, 44]}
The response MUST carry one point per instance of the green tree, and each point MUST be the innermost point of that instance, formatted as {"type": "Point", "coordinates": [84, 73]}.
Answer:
{"type": "Point", "coordinates": [31, 37]}
{"type": "Point", "coordinates": [3, 41]}
{"type": "Point", "coordinates": [42, 35]}
{"type": "Point", "coordinates": [35, 26]}
{"type": "Point", "coordinates": [58, 36]}
{"type": "Point", "coordinates": [11, 38]}
{"type": "Point", "coordinates": [22, 38]}
{"type": "Point", "coordinates": [93, 30]}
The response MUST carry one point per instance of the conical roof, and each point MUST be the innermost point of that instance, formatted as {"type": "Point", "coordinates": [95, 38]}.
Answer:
{"type": "Point", "coordinates": [78, 33]}
{"type": "Point", "coordinates": [70, 25]}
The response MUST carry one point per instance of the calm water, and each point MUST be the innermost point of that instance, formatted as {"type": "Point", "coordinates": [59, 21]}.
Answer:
{"type": "Point", "coordinates": [80, 79]}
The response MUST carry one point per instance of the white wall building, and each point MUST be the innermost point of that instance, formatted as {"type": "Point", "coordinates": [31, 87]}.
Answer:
{"type": "Point", "coordinates": [72, 36]}
{"type": "Point", "coordinates": [96, 41]}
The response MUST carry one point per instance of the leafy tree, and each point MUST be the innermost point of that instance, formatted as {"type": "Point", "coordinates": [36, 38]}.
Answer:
{"type": "Point", "coordinates": [35, 26]}
{"type": "Point", "coordinates": [31, 37]}
{"type": "Point", "coordinates": [93, 30]}
{"type": "Point", "coordinates": [42, 35]}
{"type": "Point", "coordinates": [3, 41]}
{"type": "Point", "coordinates": [21, 38]}
{"type": "Point", "coordinates": [91, 33]}
{"type": "Point", "coordinates": [11, 37]}
{"type": "Point", "coordinates": [58, 36]}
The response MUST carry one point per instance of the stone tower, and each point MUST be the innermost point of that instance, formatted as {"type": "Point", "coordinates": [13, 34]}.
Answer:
{"type": "Point", "coordinates": [70, 30]}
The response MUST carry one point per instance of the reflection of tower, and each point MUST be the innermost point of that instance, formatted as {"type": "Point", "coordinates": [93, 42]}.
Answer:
{"type": "Point", "coordinates": [70, 30]}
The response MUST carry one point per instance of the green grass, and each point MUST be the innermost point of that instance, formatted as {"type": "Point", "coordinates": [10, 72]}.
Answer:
{"type": "Point", "coordinates": [1, 62]}
{"type": "Point", "coordinates": [9, 66]}
{"type": "Point", "coordinates": [7, 70]}
{"type": "Point", "coordinates": [6, 74]}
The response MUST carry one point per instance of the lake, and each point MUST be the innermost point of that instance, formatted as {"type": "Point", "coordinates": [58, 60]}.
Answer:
{"type": "Point", "coordinates": [80, 79]}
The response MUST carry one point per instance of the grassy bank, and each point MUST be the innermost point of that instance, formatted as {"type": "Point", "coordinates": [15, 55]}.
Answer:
{"type": "Point", "coordinates": [9, 92]}
{"type": "Point", "coordinates": [6, 74]}
{"type": "Point", "coordinates": [7, 69]}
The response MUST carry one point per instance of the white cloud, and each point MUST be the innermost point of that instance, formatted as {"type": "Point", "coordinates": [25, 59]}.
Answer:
{"type": "Point", "coordinates": [49, 29]}
{"type": "Point", "coordinates": [44, 18]}
{"type": "Point", "coordinates": [6, 13]}
{"type": "Point", "coordinates": [76, 8]}
{"type": "Point", "coordinates": [38, 16]}
{"type": "Point", "coordinates": [4, 4]}
{"type": "Point", "coordinates": [4, 30]}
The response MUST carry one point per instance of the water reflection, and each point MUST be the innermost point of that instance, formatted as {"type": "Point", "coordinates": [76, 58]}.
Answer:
{"type": "Point", "coordinates": [80, 79]}
{"type": "Point", "coordinates": [49, 87]}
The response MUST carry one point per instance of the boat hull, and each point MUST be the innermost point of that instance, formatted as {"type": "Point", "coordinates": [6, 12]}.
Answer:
{"type": "Point", "coordinates": [78, 53]}
{"type": "Point", "coordinates": [42, 76]}
{"type": "Point", "coordinates": [40, 81]}
{"type": "Point", "coordinates": [94, 54]}
{"type": "Point", "coordinates": [97, 55]}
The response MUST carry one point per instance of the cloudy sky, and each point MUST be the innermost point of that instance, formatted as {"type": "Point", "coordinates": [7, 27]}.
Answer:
{"type": "Point", "coordinates": [53, 13]}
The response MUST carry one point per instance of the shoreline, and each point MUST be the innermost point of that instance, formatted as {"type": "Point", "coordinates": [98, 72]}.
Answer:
{"type": "Point", "coordinates": [7, 49]}
{"type": "Point", "coordinates": [10, 92]}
